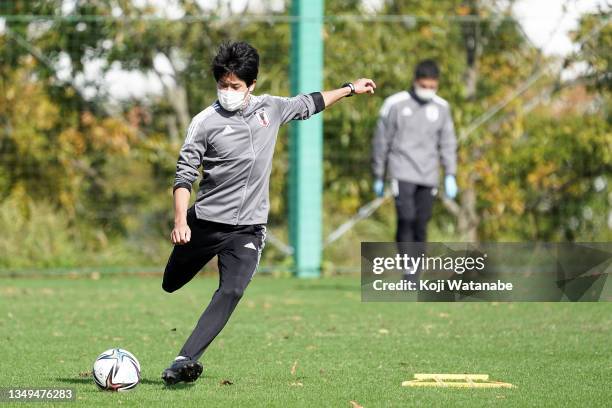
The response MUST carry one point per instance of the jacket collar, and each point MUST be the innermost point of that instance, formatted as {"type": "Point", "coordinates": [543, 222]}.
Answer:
{"type": "Point", "coordinates": [250, 104]}
{"type": "Point", "coordinates": [416, 98]}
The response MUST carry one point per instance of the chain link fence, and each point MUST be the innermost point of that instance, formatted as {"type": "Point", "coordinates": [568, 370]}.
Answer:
{"type": "Point", "coordinates": [95, 100]}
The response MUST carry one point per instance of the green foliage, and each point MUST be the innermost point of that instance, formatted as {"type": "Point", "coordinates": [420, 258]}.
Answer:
{"type": "Point", "coordinates": [38, 234]}
{"type": "Point", "coordinates": [563, 167]}
{"type": "Point", "coordinates": [596, 50]}
{"type": "Point", "coordinates": [107, 166]}
{"type": "Point", "coordinates": [34, 235]}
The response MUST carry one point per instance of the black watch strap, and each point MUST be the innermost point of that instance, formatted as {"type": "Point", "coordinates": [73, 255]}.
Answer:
{"type": "Point", "coordinates": [350, 85]}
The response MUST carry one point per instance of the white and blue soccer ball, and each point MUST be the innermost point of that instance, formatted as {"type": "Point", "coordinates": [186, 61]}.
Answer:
{"type": "Point", "coordinates": [116, 370]}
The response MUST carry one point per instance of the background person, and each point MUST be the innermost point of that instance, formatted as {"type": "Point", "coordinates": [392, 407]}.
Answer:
{"type": "Point", "coordinates": [414, 135]}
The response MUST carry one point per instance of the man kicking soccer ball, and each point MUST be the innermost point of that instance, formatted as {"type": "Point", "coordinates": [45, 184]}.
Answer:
{"type": "Point", "coordinates": [233, 140]}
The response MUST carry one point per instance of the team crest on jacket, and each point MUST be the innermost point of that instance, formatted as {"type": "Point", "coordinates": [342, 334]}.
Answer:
{"type": "Point", "coordinates": [432, 113]}
{"type": "Point", "coordinates": [262, 117]}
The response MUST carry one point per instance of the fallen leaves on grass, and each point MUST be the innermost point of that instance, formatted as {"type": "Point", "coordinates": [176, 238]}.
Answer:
{"type": "Point", "coordinates": [294, 368]}
{"type": "Point", "coordinates": [9, 290]}
{"type": "Point", "coordinates": [296, 384]}
{"type": "Point", "coordinates": [355, 404]}
{"type": "Point", "coordinates": [85, 374]}
{"type": "Point", "coordinates": [226, 382]}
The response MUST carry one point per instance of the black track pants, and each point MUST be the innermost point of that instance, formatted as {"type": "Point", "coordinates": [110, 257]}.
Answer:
{"type": "Point", "coordinates": [413, 203]}
{"type": "Point", "coordinates": [238, 248]}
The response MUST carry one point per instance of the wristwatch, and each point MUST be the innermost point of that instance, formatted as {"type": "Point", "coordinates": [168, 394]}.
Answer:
{"type": "Point", "coordinates": [350, 85]}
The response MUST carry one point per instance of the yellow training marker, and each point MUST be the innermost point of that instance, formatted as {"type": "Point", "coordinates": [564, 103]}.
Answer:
{"type": "Point", "coordinates": [460, 381]}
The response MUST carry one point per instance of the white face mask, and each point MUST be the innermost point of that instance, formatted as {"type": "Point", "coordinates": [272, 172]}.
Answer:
{"type": "Point", "coordinates": [424, 93]}
{"type": "Point", "coordinates": [232, 100]}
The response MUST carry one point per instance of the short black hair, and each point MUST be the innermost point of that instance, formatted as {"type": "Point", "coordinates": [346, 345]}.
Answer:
{"type": "Point", "coordinates": [238, 58]}
{"type": "Point", "coordinates": [427, 69]}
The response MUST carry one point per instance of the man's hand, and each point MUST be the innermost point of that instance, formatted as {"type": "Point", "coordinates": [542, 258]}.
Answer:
{"type": "Point", "coordinates": [181, 234]}
{"type": "Point", "coordinates": [364, 85]}
{"type": "Point", "coordinates": [379, 187]}
{"type": "Point", "coordinates": [450, 186]}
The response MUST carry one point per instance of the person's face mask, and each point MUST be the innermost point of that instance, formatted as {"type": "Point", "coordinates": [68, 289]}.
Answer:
{"type": "Point", "coordinates": [232, 100]}
{"type": "Point", "coordinates": [425, 94]}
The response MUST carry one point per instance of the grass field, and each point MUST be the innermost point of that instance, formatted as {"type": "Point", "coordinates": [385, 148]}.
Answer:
{"type": "Point", "coordinates": [302, 343]}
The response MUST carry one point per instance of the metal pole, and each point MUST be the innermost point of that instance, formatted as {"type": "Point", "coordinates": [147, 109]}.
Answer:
{"type": "Point", "coordinates": [306, 140]}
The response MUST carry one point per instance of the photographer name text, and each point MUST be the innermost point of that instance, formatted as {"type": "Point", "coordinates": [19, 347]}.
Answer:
{"type": "Point", "coordinates": [441, 285]}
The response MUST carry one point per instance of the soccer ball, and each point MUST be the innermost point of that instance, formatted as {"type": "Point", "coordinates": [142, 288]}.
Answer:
{"type": "Point", "coordinates": [116, 370]}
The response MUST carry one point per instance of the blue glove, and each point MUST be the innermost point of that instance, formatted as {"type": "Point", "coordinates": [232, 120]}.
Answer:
{"type": "Point", "coordinates": [379, 187]}
{"type": "Point", "coordinates": [450, 186]}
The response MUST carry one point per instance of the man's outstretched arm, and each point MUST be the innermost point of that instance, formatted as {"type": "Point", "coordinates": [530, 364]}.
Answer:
{"type": "Point", "coordinates": [303, 106]}
{"type": "Point", "coordinates": [362, 85]}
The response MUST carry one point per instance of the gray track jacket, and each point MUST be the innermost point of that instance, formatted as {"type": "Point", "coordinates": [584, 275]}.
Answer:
{"type": "Point", "coordinates": [412, 138]}
{"type": "Point", "coordinates": [235, 150]}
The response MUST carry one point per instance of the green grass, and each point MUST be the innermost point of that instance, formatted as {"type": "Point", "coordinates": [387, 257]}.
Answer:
{"type": "Point", "coordinates": [52, 330]}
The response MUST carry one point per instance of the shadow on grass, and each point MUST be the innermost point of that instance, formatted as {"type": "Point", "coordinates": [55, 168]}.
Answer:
{"type": "Point", "coordinates": [179, 386]}
{"type": "Point", "coordinates": [89, 380]}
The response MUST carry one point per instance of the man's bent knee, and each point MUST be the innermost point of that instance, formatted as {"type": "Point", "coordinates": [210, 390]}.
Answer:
{"type": "Point", "coordinates": [168, 287]}
{"type": "Point", "coordinates": [234, 292]}
{"type": "Point", "coordinates": [167, 284]}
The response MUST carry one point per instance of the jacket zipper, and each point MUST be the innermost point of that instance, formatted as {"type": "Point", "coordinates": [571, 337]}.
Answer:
{"type": "Point", "coordinates": [246, 186]}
